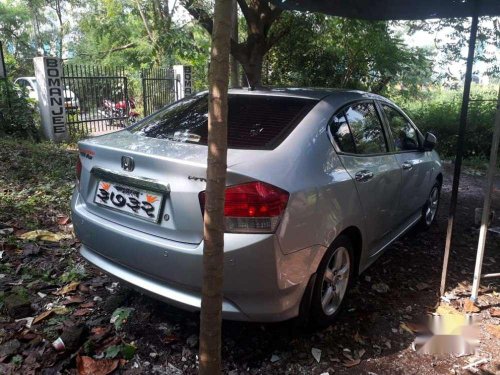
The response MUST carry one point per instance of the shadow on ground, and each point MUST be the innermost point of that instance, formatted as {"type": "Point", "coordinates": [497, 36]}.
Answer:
{"type": "Point", "coordinates": [370, 323]}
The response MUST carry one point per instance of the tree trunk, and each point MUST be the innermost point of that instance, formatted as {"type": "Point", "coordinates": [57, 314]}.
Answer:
{"type": "Point", "coordinates": [61, 28]}
{"type": "Point", "coordinates": [234, 36]}
{"type": "Point", "coordinates": [213, 248]}
{"type": "Point", "coordinates": [260, 15]}
{"type": "Point", "coordinates": [252, 66]}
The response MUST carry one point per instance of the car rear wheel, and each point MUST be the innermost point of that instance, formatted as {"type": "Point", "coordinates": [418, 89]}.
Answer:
{"type": "Point", "coordinates": [332, 282]}
{"type": "Point", "coordinates": [431, 206]}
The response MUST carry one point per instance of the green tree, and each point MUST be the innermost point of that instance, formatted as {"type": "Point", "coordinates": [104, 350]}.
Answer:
{"type": "Point", "coordinates": [324, 51]}
{"type": "Point", "coordinates": [16, 31]}
{"type": "Point", "coordinates": [451, 39]}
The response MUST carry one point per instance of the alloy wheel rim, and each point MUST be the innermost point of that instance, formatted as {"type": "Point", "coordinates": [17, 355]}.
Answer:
{"type": "Point", "coordinates": [335, 281]}
{"type": "Point", "coordinates": [432, 206]}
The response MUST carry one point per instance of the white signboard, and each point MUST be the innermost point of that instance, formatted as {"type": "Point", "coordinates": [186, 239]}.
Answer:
{"type": "Point", "coordinates": [184, 74]}
{"type": "Point", "coordinates": [48, 72]}
{"type": "Point", "coordinates": [188, 84]}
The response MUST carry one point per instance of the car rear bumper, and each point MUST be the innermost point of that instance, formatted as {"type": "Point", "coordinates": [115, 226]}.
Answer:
{"type": "Point", "coordinates": [260, 282]}
{"type": "Point", "coordinates": [180, 298]}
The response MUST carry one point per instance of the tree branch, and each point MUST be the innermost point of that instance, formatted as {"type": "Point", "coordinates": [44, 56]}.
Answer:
{"type": "Point", "coordinates": [276, 37]}
{"type": "Point", "coordinates": [199, 14]}
{"type": "Point", "coordinates": [115, 49]}
{"type": "Point", "coordinates": [145, 22]}
{"type": "Point", "coordinates": [244, 8]}
{"type": "Point", "coordinates": [126, 46]}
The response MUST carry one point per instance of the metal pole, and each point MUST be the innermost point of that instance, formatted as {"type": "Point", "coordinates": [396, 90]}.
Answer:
{"type": "Point", "coordinates": [460, 144]}
{"type": "Point", "coordinates": [487, 203]}
{"type": "Point", "coordinates": [144, 100]}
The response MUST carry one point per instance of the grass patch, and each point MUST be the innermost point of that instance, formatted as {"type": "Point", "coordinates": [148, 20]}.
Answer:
{"type": "Point", "coordinates": [36, 182]}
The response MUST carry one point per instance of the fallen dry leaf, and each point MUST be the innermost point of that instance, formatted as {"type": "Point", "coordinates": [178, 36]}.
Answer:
{"type": "Point", "coordinates": [494, 330]}
{"type": "Point", "coordinates": [359, 339]}
{"type": "Point", "coordinates": [89, 366]}
{"type": "Point", "coordinates": [83, 288]}
{"type": "Point", "coordinates": [63, 220]}
{"type": "Point", "coordinates": [352, 363]}
{"type": "Point", "coordinates": [87, 305]}
{"type": "Point", "coordinates": [60, 310]}
{"type": "Point", "coordinates": [99, 330]}
{"type": "Point", "coordinates": [361, 353]}
{"type": "Point", "coordinates": [404, 327]}
{"type": "Point", "coordinates": [422, 286]}
{"type": "Point", "coordinates": [71, 287]}
{"type": "Point", "coordinates": [72, 299]}
{"type": "Point", "coordinates": [42, 316]}
{"type": "Point", "coordinates": [82, 312]}
{"type": "Point", "coordinates": [447, 310]}
{"type": "Point", "coordinates": [170, 338]}
{"type": "Point", "coordinates": [470, 307]}
{"type": "Point", "coordinates": [41, 235]}
{"type": "Point", "coordinates": [415, 327]}
{"type": "Point", "coordinates": [495, 313]}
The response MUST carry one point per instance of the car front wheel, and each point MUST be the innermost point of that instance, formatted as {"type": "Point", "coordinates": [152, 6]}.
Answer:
{"type": "Point", "coordinates": [431, 206]}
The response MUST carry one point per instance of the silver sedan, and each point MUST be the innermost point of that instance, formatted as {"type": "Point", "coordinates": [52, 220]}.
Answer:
{"type": "Point", "coordinates": [319, 183]}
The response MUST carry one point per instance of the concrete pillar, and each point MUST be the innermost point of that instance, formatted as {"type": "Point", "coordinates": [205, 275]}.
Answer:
{"type": "Point", "coordinates": [49, 72]}
{"type": "Point", "coordinates": [183, 74]}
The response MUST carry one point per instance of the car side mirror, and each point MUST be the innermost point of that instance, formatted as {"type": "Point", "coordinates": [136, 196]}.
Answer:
{"type": "Point", "coordinates": [430, 142]}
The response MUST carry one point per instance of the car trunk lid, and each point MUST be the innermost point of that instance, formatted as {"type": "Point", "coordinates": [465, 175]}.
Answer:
{"type": "Point", "coordinates": [173, 171]}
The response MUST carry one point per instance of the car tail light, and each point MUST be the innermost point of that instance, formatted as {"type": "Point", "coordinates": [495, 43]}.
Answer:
{"type": "Point", "coordinates": [254, 207]}
{"type": "Point", "coordinates": [78, 169]}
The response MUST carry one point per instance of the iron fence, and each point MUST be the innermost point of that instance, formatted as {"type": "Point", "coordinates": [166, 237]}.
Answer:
{"type": "Point", "coordinates": [159, 88]}
{"type": "Point", "coordinates": [96, 98]}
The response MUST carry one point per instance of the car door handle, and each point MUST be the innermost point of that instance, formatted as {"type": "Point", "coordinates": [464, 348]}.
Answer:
{"type": "Point", "coordinates": [363, 176]}
{"type": "Point", "coordinates": [407, 165]}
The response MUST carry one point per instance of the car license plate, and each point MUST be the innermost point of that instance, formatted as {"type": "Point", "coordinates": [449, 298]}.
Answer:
{"type": "Point", "coordinates": [137, 202]}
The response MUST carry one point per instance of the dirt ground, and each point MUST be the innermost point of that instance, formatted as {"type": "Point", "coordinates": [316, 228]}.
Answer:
{"type": "Point", "coordinates": [373, 334]}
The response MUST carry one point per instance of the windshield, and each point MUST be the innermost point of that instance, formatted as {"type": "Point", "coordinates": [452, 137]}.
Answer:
{"type": "Point", "coordinates": [254, 121]}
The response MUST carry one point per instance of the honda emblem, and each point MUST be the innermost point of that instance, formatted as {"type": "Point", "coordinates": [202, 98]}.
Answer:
{"type": "Point", "coordinates": [128, 163]}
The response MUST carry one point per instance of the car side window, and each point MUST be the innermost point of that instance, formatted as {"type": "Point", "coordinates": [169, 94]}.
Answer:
{"type": "Point", "coordinates": [366, 128]}
{"type": "Point", "coordinates": [342, 134]}
{"type": "Point", "coordinates": [404, 134]}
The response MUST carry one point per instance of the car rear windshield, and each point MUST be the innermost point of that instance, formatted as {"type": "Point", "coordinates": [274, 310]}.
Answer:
{"type": "Point", "coordinates": [254, 121]}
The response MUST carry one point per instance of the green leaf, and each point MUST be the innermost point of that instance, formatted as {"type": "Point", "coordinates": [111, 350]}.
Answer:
{"type": "Point", "coordinates": [113, 350]}
{"type": "Point", "coordinates": [17, 360]}
{"type": "Point", "coordinates": [120, 316]}
{"type": "Point", "coordinates": [128, 351]}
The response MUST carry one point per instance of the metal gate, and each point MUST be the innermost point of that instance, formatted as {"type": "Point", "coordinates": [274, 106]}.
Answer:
{"type": "Point", "coordinates": [96, 99]}
{"type": "Point", "coordinates": [159, 88]}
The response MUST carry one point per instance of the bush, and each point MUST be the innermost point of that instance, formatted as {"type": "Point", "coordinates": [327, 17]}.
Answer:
{"type": "Point", "coordinates": [17, 113]}
{"type": "Point", "coordinates": [439, 113]}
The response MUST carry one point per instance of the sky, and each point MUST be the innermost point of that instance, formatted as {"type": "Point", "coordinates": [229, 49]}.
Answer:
{"type": "Point", "coordinates": [457, 68]}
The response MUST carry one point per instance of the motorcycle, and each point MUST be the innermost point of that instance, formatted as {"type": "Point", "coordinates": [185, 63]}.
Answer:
{"type": "Point", "coordinates": [123, 111]}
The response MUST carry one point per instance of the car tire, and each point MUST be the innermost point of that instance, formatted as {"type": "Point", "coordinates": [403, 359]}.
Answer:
{"type": "Point", "coordinates": [431, 206]}
{"type": "Point", "coordinates": [334, 275]}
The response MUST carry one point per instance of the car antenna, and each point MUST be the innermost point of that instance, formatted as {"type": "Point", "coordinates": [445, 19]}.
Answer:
{"type": "Point", "coordinates": [250, 87]}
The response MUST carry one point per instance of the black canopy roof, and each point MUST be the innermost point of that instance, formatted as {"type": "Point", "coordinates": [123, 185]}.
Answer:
{"type": "Point", "coordinates": [395, 9]}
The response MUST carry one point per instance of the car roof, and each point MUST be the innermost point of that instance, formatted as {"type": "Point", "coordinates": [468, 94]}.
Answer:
{"type": "Point", "coordinates": [31, 79]}
{"type": "Point", "coordinates": [308, 93]}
